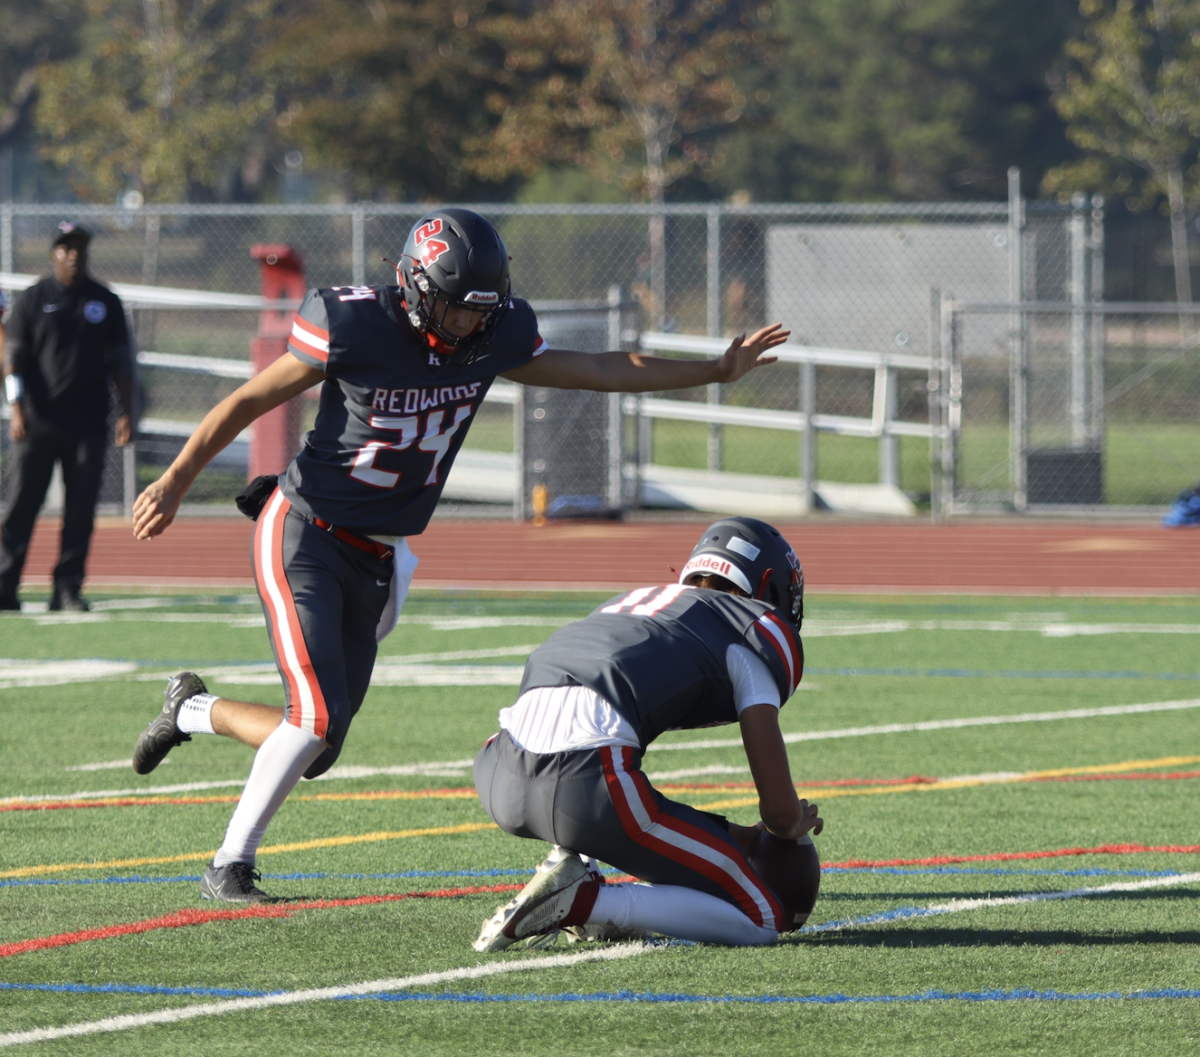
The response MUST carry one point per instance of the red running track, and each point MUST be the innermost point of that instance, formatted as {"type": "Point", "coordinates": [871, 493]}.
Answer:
{"type": "Point", "coordinates": [1015, 556]}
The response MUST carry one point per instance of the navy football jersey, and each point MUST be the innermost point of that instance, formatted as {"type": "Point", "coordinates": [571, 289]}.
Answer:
{"type": "Point", "coordinates": [657, 655]}
{"type": "Point", "coordinates": [393, 413]}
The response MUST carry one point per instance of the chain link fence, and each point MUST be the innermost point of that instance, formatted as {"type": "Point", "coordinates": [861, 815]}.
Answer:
{"type": "Point", "coordinates": [905, 388]}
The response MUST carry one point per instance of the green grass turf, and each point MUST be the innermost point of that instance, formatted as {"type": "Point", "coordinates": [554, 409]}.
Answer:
{"type": "Point", "coordinates": [1121, 943]}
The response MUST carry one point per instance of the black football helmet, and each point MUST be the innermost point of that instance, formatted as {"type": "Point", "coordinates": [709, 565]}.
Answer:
{"type": "Point", "coordinates": [453, 257]}
{"type": "Point", "coordinates": [755, 557]}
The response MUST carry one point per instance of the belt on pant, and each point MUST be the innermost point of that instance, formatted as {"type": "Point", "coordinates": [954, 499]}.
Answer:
{"type": "Point", "coordinates": [363, 543]}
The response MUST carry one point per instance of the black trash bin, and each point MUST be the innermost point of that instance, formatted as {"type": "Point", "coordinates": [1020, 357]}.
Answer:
{"type": "Point", "coordinates": [566, 433]}
{"type": "Point", "coordinates": [1064, 476]}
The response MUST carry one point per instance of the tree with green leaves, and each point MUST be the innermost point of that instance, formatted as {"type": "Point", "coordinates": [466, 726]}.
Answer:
{"type": "Point", "coordinates": [389, 91]}
{"type": "Point", "coordinates": [631, 90]}
{"type": "Point", "coordinates": [898, 100]}
{"type": "Point", "coordinates": [163, 99]}
{"type": "Point", "coordinates": [1134, 96]}
{"type": "Point", "coordinates": [31, 35]}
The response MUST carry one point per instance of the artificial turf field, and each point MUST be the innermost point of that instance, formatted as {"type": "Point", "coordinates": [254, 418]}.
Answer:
{"type": "Point", "coordinates": [944, 838]}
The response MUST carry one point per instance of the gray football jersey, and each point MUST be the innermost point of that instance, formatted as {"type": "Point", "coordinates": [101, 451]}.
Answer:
{"type": "Point", "coordinates": [393, 412]}
{"type": "Point", "coordinates": [657, 655]}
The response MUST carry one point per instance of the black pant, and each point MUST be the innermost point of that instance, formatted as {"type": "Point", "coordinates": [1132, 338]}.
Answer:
{"type": "Point", "coordinates": [31, 464]}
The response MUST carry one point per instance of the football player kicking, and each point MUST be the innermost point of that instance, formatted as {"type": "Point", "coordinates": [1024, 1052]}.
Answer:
{"type": "Point", "coordinates": [720, 646]}
{"type": "Point", "coordinates": [403, 371]}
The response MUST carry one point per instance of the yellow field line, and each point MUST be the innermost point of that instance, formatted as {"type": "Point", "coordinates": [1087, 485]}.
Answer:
{"type": "Point", "coordinates": [964, 783]}
{"type": "Point", "coordinates": [271, 849]}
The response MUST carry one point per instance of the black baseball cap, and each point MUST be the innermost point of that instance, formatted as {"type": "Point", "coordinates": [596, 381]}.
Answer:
{"type": "Point", "coordinates": [69, 231]}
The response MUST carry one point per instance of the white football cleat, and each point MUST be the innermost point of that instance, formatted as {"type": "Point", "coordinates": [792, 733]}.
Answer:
{"type": "Point", "coordinates": [539, 907]}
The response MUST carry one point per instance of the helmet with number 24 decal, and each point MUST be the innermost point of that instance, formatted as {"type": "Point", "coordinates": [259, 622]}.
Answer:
{"type": "Point", "coordinates": [756, 559]}
{"type": "Point", "coordinates": [453, 258]}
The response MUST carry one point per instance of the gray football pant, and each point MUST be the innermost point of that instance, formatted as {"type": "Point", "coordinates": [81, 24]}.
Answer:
{"type": "Point", "coordinates": [599, 803]}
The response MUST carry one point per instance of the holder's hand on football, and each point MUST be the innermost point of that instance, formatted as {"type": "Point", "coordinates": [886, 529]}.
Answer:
{"type": "Point", "coordinates": [807, 821]}
{"type": "Point", "coordinates": [743, 354]}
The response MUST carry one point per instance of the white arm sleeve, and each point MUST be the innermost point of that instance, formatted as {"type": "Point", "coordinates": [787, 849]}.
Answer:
{"type": "Point", "coordinates": [753, 683]}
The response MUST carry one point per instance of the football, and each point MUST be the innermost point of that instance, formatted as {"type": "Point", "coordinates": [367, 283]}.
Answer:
{"type": "Point", "coordinates": [792, 870]}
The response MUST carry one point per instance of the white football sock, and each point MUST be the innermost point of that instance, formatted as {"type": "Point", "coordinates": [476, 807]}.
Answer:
{"type": "Point", "coordinates": [195, 714]}
{"type": "Point", "coordinates": [279, 764]}
{"type": "Point", "coordinates": [677, 911]}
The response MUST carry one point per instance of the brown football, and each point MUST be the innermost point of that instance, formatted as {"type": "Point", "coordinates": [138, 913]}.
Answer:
{"type": "Point", "coordinates": [792, 870]}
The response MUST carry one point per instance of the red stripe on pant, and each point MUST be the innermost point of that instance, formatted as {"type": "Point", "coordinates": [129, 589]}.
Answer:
{"type": "Point", "coordinates": [306, 702]}
{"type": "Point", "coordinates": [617, 762]}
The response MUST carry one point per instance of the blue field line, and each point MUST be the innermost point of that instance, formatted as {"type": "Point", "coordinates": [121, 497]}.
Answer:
{"type": "Point", "coordinates": [138, 989]}
{"type": "Point", "coordinates": [1020, 994]}
{"type": "Point", "coordinates": [978, 673]}
{"type": "Point", "coordinates": [410, 874]}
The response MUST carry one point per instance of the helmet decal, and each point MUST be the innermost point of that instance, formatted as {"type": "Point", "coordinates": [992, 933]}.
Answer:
{"type": "Point", "coordinates": [433, 250]}
{"type": "Point", "coordinates": [427, 231]}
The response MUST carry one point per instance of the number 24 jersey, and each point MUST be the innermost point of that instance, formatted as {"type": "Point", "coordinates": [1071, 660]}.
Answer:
{"type": "Point", "coordinates": [393, 412]}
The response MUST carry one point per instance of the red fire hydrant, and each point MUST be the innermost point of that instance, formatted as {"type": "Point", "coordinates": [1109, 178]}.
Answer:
{"type": "Point", "coordinates": [276, 436]}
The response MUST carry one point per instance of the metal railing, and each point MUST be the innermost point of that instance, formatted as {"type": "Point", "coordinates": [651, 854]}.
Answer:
{"type": "Point", "coordinates": [884, 423]}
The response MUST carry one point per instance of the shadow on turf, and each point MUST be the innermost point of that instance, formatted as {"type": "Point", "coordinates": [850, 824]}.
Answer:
{"type": "Point", "coordinates": [910, 938]}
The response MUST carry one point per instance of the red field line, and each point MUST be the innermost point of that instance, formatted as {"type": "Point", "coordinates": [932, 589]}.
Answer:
{"type": "Point", "coordinates": [1015, 856]}
{"type": "Point", "coordinates": [184, 918]}
{"type": "Point", "coordinates": [1016, 556]}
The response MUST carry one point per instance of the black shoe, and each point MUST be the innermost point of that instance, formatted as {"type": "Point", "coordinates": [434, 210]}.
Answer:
{"type": "Point", "coordinates": [164, 734]}
{"type": "Point", "coordinates": [67, 600]}
{"type": "Point", "coordinates": [10, 602]}
{"type": "Point", "coordinates": [233, 883]}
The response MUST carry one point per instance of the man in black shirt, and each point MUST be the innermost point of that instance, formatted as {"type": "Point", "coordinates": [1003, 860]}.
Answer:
{"type": "Point", "coordinates": [66, 338]}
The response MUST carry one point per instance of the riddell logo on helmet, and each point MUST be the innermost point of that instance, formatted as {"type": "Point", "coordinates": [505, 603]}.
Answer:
{"type": "Point", "coordinates": [707, 563]}
{"type": "Point", "coordinates": [482, 297]}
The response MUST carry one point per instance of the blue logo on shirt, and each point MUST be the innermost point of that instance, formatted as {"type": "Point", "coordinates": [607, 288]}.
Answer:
{"type": "Point", "coordinates": [95, 311]}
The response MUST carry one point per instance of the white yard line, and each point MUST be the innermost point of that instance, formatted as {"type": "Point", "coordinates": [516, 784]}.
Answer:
{"type": "Point", "coordinates": [321, 994]}
{"type": "Point", "coordinates": [1050, 628]}
{"type": "Point", "coordinates": [109, 765]}
{"type": "Point", "coordinates": [558, 961]}
{"type": "Point", "coordinates": [958, 906]}
{"type": "Point", "coordinates": [942, 724]}
{"type": "Point", "coordinates": [453, 767]}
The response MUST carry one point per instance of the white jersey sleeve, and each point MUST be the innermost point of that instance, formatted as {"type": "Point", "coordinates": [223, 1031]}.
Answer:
{"type": "Point", "coordinates": [753, 683]}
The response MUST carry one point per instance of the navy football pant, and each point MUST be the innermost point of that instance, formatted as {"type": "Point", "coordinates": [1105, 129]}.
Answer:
{"type": "Point", "coordinates": [322, 599]}
{"type": "Point", "coordinates": [599, 803]}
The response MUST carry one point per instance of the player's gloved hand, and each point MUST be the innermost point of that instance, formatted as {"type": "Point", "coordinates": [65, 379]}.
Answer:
{"type": "Point", "coordinates": [744, 355]}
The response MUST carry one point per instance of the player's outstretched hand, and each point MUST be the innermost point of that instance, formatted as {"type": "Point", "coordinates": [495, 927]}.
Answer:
{"type": "Point", "coordinates": [743, 354]}
{"type": "Point", "coordinates": [155, 509]}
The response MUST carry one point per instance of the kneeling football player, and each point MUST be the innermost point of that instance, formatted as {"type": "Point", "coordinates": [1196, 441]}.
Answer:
{"type": "Point", "coordinates": [720, 646]}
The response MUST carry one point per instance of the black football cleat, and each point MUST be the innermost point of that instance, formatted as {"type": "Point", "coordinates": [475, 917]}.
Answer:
{"type": "Point", "coordinates": [233, 883]}
{"type": "Point", "coordinates": [164, 734]}
{"type": "Point", "coordinates": [67, 600]}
